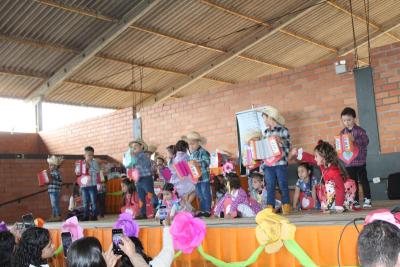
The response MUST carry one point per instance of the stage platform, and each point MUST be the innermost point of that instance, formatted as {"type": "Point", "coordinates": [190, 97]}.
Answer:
{"type": "Point", "coordinates": [234, 239]}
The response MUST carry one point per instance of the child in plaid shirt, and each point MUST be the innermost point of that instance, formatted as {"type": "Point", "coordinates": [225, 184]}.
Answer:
{"type": "Point", "coordinates": [357, 169]}
{"type": "Point", "coordinates": [54, 187]}
{"type": "Point", "coordinates": [277, 171]}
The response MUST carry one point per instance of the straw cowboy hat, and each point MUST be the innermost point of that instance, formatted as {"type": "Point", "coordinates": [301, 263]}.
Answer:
{"type": "Point", "coordinates": [274, 113]}
{"type": "Point", "coordinates": [54, 160]}
{"type": "Point", "coordinates": [195, 136]}
{"type": "Point", "coordinates": [140, 142]}
{"type": "Point", "coordinates": [251, 134]}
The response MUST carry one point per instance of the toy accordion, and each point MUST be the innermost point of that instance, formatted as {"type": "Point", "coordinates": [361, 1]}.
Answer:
{"type": "Point", "coordinates": [267, 149]}
{"type": "Point", "coordinates": [43, 178]}
{"type": "Point", "coordinates": [80, 168]}
{"type": "Point", "coordinates": [345, 148]}
{"type": "Point", "coordinates": [191, 168]}
{"type": "Point", "coordinates": [133, 174]}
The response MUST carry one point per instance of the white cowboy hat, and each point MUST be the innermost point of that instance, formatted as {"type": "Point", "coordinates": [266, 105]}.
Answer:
{"type": "Point", "coordinates": [195, 136]}
{"type": "Point", "coordinates": [152, 148]}
{"type": "Point", "coordinates": [251, 134]}
{"type": "Point", "coordinates": [54, 160]}
{"type": "Point", "coordinates": [274, 113]}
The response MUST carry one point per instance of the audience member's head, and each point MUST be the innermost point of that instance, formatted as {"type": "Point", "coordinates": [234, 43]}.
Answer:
{"type": "Point", "coordinates": [125, 262]}
{"type": "Point", "coordinates": [7, 244]}
{"type": "Point", "coordinates": [379, 245]}
{"type": "Point", "coordinates": [34, 248]}
{"type": "Point", "coordinates": [86, 252]}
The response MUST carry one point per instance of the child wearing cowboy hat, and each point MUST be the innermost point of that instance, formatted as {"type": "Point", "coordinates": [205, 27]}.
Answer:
{"type": "Point", "coordinates": [54, 187]}
{"type": "Point", "coordinates": [145, 183]}
{"type": "Point", "coordinates": [277, 171]}
{"type": "Point", "coordinates": [202, 156]}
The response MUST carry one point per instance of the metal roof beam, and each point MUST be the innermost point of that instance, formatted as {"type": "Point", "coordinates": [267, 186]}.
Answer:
{"type": "Point", "coordinates": [95, 46]}
{"type": "Point", "coordinates": [258, 36]}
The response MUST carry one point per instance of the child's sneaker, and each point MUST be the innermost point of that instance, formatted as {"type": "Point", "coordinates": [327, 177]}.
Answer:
{"type": "Point", "coordinates": [356, 205]}
{"type": "Point", "coordinates": [367, 203]}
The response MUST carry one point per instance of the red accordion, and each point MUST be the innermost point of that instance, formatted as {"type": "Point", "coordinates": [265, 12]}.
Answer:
{"type": "Point", "coordinates": [345, 148]}
{"type": "Point", "coordinates": [43, 178]}
{"type": "Point", "coordinates": [267, 150]}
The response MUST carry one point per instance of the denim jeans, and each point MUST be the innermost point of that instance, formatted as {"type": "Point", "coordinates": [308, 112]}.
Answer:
{"type": "Point", "coordinates": [55, 203]}
{"type": "Point", "coordinates": [146, 185]}
{"type": "Point", "coordinates": [89, 197]}
{"type": "Point", "coordinates": [203, 192]}
{"type": "Point", "coordinates": [271, 175]}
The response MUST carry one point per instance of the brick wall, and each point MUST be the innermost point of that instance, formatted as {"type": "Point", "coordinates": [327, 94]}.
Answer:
{"type": "Point", "coordinates": [21, 143]}
{"type": "Point", "coordinates": [109, 135]}
{"type": "Point", "coordinates": [310, 98]}
{"type": "Point", "coordinates": [18, 178]}
{"type": "Point", "coordinates": [387, 94]}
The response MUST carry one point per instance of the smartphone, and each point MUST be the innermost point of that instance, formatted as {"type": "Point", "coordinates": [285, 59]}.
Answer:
{"type": "Point", "coordinates": [66, 240]}
{"type": "Point", "coordinates": [116, 238]}
{"type": "Point", "coordinates": [162, 213]}
{"type": "Point", "coordinates": [28, 221]}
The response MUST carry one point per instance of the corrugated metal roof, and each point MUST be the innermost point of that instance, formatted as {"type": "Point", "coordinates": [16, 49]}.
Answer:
{"type": "Point", "coordinates": [17, 86]}
{"type": "Point", "coordinates": [33, 20]}
{"type": "Point", "coordinates": [158, 39]}
{"type": "Point", "coordinates": [195, 21]}
{"type": "Point", "coordinates": [31, 59]}
{"type": "Point", "coordinates": [143, 47]}
{"type": "Point", "coordinates": [241, 70]}
{"type": "Point", "coordinates": [286, 50]}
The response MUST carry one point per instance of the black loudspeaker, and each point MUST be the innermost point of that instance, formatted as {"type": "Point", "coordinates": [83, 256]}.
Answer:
{"type": "Point", "coordinates": [393, 189]}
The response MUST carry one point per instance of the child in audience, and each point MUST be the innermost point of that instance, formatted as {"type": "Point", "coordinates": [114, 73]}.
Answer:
{"type": "Point", "coordinates": [251, 164]}
{"type": "Point", "coordinates": [333, 174]}
{"type": "Point", "coordinates": [130, 200]}
{"type": "Point", "coordinates": [220, 189]}
{"type": "Point", "coordinates": [202, 156]}
{"type": "Point", "coordinates": [145, 183]}
{"type": "Point", "coordinates": [54, 187]}
{"type": "Point", "coordinates": [183, 185]}
{"type": "Point", "coordinates": [258, 192]}
{"type": "Point", "coordinates": [235, 203]}
{"type": "Point", "coordinates": [278, 171]}
{"type": "Point", "coordinates": [357, 169]}
{"type": "Point", "coordinates": [305, 184]}
{"type": "Point", "coordinates": [75, 206]}
{"type": "Point", "coordinates": [169, 200]}
{"type": "Point", "coordinates": [163, 172]}
{"type": "Point", "coordinates": [34, 248]}
{"type": "Point", "coordinates": [89, 188]}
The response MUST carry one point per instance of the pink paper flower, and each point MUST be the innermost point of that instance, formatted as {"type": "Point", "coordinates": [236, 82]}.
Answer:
{"type": "Point", "coordinates": [72, 225]}
{"type": "Point", "coordinates": [187, 232]}
{"type": "Point", "coordinates": [129, 226]}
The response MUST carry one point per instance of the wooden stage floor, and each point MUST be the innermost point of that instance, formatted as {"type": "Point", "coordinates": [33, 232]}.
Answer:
{"type": "Point", "coordinates": [304, 218]}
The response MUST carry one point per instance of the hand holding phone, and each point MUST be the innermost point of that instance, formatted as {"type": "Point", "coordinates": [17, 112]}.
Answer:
{"type": "Point", "coordinates": [117, 234]}
{"type": "Point", "coordinates": [66, 239]}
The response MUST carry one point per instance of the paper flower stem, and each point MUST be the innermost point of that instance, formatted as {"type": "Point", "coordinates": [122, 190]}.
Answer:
{"type": "Point", "coordinates": [58, 251]}
{"type": "Point", "coordinates": [117, 193]}
{"type": "Point", "coordinates": [177, 254]}
{"type": "Point", "coordinates": [219, 263]}
{"type": "Point", "coordinates": [294, 248]}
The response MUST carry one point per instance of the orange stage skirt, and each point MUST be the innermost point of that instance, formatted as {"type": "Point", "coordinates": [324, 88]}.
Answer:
{"type": "Point", "coordinates": [237, 244]}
